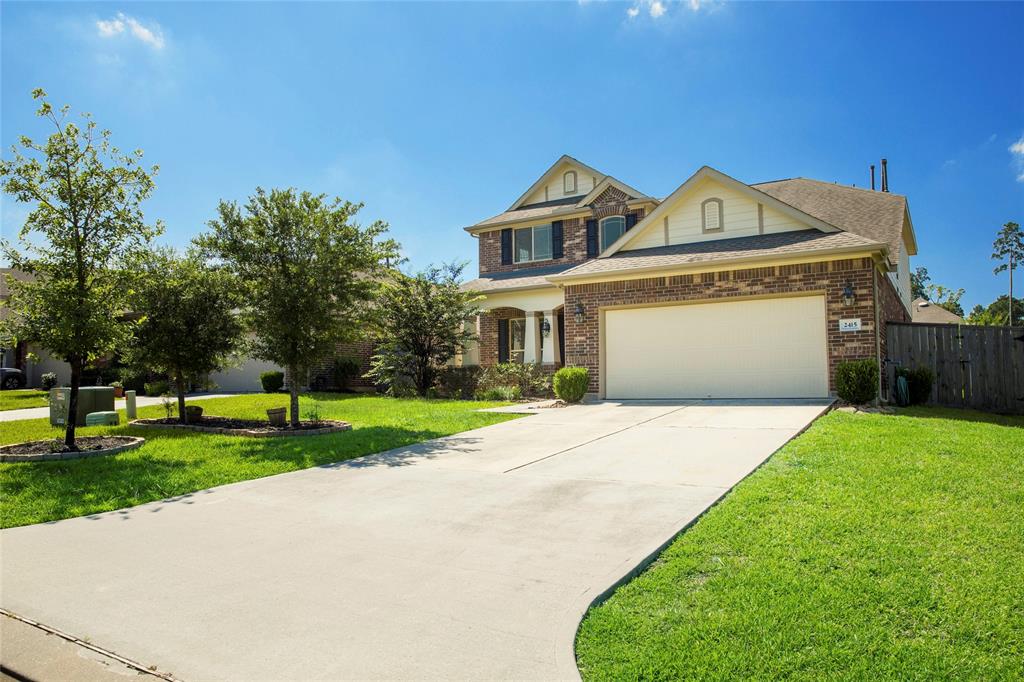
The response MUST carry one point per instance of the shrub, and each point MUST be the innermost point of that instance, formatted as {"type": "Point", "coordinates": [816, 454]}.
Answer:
{"type": "Point", "coordinates": [48, 380]}
{"type": "Point", "coordinates": [529, 378]}
{"type": "Point", "coordinates": [499, 393]}
{"type": "Point", "coordinates": [459, 382]}
{"type": "Point", "coordinates": [115, 384]}
{"type": "Point", "coordinates": [272, 381]}
{"type": "Point", "coordinates": [571, 383]}
{"type": "Point", "coordinates": [919, 383]}
{"type": "Point", "coordinates": [857, 381]}
{"type": "Point", "coordinates": [157, 387]}
{"type": "Point", "coordinates": [344, 370]}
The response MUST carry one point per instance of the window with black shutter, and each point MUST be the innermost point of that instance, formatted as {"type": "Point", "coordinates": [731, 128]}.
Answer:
{"type": "Point", "coordinates": [502, 340]}
{"type": "Point", "coordinates": [506, 246]}
{"type": "Point", "coordinates": [592, 238]}
{"type": "Point", "coordinates": [556, 239]}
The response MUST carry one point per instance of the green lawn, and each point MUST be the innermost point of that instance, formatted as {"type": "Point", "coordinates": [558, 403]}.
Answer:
{"type": "Point", "coordinates": [173, 463]}
{"type": "Point", "coordinates": [871, 548]}
{"type": "Point", "coordinates": [23, 398]}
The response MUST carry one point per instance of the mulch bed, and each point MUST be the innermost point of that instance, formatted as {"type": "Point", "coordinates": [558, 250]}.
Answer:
{"type": "Point", "coordinates": [249, 428]}
{"type": "Point", "coordinates": [49, 450]}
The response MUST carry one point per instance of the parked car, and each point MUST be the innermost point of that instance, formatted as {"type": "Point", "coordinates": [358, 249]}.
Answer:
{"type": "Point", "coordinates": [11, 378]}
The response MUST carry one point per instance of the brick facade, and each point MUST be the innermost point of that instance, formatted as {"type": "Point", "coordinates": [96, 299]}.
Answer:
{"type": "Point", "coordinates": [574, 235]}
{"type": "Point", "coordinates": [830, 277]}
{"type": "Point", "coordinates": [322, 374]}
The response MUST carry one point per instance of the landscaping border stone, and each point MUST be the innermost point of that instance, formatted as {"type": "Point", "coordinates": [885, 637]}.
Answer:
{"type": "Point", "coordinates": [330, 426]}
{"type": "Point", "coordinates": [131, 443]}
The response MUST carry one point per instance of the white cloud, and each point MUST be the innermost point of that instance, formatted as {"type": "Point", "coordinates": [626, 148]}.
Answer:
{"type": "Point", "coordinates": [659, 8]}
{"type": "Point", "coordinates": [1017, 151]}
{"type": "Point", "coordinates": [151, 35]}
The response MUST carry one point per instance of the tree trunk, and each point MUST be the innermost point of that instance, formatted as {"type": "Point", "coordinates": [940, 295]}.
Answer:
{"type": "Point", "coordinates": [71, 420]}
{"type": "Point", "coordinates": [293, 390]}
{"type": "Point", "coordinates": [180, 382]}
{"type": "Point", "coordinates": [1011, 288]}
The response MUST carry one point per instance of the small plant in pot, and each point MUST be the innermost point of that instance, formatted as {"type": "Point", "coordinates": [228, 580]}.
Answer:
{"type": "Point", "coordinates": [118, 388]}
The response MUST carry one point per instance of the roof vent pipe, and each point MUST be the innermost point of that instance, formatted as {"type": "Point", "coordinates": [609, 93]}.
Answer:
{"type": "Point", "coordinates": [885, 175]}
{"type": "Point", "coordinates": [872, 177]}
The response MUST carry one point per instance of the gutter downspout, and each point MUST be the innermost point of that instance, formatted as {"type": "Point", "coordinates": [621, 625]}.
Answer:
{"type": "Point", "coordinates": [878, 337]}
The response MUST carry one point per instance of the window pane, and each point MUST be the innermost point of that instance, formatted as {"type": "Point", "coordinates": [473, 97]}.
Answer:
{"type": "Point", "coordinates": [524, 244]}
{"type": "Point", "coordinates": [611, 229]}
{"type": "Point", "coordinates": [516, 340]}
{"type": "Point", "coordinates": [542, 242]}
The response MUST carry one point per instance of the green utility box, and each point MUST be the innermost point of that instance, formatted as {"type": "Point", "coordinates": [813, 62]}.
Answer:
{"type": "Point", "coordinates": [101, 419]}
{"type": "Point", "coordinates": [90, 399]}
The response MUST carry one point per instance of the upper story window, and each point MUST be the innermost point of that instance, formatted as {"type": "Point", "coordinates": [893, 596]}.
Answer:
{"type": "Point", "coordinates": [611, 229]}
{"type": "Point", "coordinates": [569, 182]}
{"type": "Point", "coordinates": [532, 243]}
{"type": "Point", "coordinates": [712, 216]}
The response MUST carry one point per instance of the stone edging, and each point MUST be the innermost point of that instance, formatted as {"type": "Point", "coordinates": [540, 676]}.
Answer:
{"type": "Point", "coordinates": [135, 442]}
{"type": "Point", "coordinates": [331, 427]}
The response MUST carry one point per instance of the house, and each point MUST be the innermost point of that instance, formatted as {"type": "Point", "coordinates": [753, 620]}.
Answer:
{"type": "Point", "coordinates": [719, 290]}
{"type": "Point", "coordinates": [923, 311]}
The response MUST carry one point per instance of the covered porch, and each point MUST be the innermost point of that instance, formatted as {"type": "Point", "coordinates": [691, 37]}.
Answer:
{"type": "Point", "coordinates": [522, 327]}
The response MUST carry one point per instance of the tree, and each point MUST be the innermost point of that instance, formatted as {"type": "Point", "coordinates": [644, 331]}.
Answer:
{"type": "Point", "coordinates": [309, 272]}
{"type": "Point", "coordinates": [996, 313]}
{"type": "Point", "coordinates": [422, 325]}
{"type": "Point", "coordinates": [919, 283]}
{"type": "Point", "coordinates": [78, 242]}
{"type": "Point", "coordinates": [188, 326]}
{"type": "Point", "coordinates": [945, 297]}
{"type": "Point", "coordinates": [1009, 246]}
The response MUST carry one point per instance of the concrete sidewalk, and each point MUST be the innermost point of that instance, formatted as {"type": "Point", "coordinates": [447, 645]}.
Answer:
{"type": "Point", "coordinates": [468, 557]}
{"type": "Point", "coordinates": [140, 401]}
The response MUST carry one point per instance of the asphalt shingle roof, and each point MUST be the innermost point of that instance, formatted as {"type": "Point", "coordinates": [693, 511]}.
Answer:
{"type": "Point", "coordinates": [759, 246]}
{"type": "Point", "coordinates": [924, 311]}
{"type": "Point", "coordinates": [875, 215]}
{"type": "Point", "coordinates": [519, 279]}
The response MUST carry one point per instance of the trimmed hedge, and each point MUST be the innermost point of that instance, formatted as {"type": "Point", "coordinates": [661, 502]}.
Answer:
{"type": "Point", "coordinates": [158, 387]}
{"type": "Point", "coordinates": [857, 381]}
{"type": "Point", "coordinates": [571, 383]}
{"type": "Point", "coordinates": [272, 381]}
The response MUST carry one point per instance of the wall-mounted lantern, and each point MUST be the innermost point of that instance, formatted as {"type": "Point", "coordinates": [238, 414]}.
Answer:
{"type": "Point", "coordinates": [848, 296]}
{"type": "Point", "coordinates": [545, 327]}
{"type": "Point", "coordinates": [578, 313]}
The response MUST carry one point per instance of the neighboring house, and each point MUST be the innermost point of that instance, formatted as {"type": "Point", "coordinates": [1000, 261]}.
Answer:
{"type": "Point", "coordinates": [924, 311]}
{"type": "Point", "coordinates": [34, 362]}
{"type": "Point", "coordinates": [721, 290]}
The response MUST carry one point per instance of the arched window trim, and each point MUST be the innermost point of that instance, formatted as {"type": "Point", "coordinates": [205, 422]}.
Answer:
{"type": "Point", "coordinates": [569, 182]}
{"type": "Point", "coordinates": [600, 225]}
{"type": "Point", "coordinates": [704, 216]}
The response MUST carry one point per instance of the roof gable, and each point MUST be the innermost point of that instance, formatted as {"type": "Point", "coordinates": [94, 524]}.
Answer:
{"type": "Point", "coordinates": [653, 220]}
{"type": "Point", "coordinates": [584, 173]}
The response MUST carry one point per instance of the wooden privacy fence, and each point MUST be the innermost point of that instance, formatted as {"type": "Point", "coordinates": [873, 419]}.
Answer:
{"type": "Point", "coordinates": [977, 367]}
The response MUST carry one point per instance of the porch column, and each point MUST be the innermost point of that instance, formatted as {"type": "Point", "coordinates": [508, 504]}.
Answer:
{"type": "Point", "coordinates": [531, 349]}
{"type": "Point", "coordinates": [551, 351]}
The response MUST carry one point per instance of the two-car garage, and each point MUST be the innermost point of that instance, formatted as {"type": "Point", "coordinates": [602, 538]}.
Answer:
{"type": "Point", "coordinates": [754, 348]}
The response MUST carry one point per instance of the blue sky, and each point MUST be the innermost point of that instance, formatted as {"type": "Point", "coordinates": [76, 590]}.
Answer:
{"type": "Point", "coordinates": [439, 114]}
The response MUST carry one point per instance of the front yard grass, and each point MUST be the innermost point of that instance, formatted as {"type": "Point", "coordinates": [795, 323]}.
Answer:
{"type": "Point", "coordinates": [174, 463]}
{"type": "Point", "coordinates": [22, 398]}
{"type": "Point", "coordinates": [871, 547]}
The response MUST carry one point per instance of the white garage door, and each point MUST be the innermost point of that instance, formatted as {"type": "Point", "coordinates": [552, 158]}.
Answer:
{"type": "Point", "coordinates": [766, 348]}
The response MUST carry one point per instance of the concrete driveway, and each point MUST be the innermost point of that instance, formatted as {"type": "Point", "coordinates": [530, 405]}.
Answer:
{"type": "Point", "coordinates": [469, 557]}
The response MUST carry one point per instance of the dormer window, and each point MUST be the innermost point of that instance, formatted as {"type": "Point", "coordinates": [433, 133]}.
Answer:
{"type": "Point", "coordinates": [611, 229]}
{"type": "Point", "coordinates": [569, 182]}
{"type": "Point", "coordinates": [712, 217]}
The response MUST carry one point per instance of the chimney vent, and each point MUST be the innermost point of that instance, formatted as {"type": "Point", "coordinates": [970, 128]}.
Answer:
{"type": "Point", "coordinates": [885, 175]}
{"type": "Point", "coordinates": [872, 177]}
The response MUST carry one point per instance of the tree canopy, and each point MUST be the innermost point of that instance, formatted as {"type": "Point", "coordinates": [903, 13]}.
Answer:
{"type": "Point", "coordinates": [188, 327]}
{"type": "Point", "coordinates": [80, 242]}
{"type": "Point", "coordinates": [308, 270]}
{"type": "Point", "coordinates": [1009, 248]}
{"type": "Point", "coordinates": [422, 322]}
